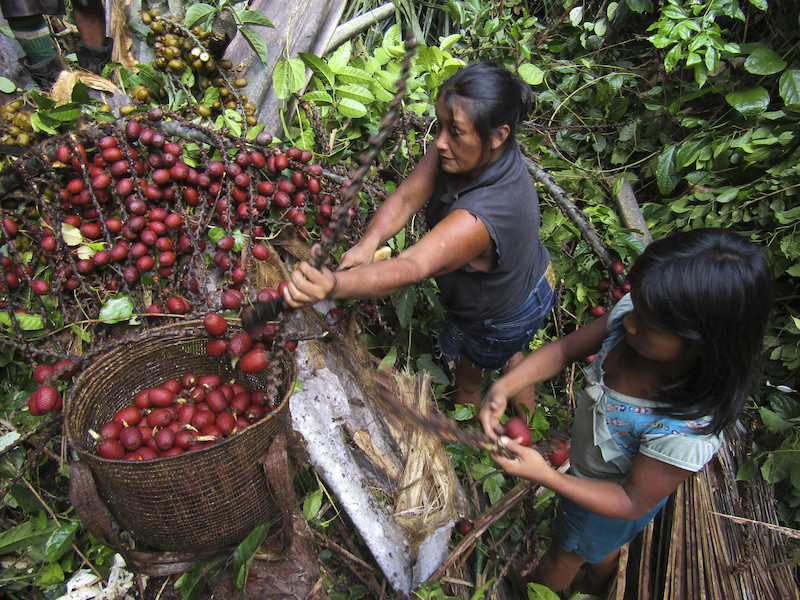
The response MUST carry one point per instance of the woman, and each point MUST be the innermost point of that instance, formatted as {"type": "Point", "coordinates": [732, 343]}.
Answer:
{"type": "Point", "coordinates": [482, 248]}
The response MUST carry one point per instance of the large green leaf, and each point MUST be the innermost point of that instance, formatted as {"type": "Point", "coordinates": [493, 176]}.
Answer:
{"type": "Point", "coordinates": [318, 66]}
{"type": "Point", "coordinates": [288, 77]}
{"type": "Point", "coordinates": [256, 42]}
{"type": "Point", "coordinates": [763, 61]}
{"type": "Point", "coordinates": [348, 74]}
{"type": "Point", "coordinates": [405, 306]}
{"type": "Point", "coordinates": [789, 88]}
{"type": "Point", "coordinates": [27, 322]}
{"type": "Point", "coordinates": [117, 309]}
{"type": "Point", "coordinates": [531, 74]}
{"type": "Point", "coordinates": [245, 553]}
{"type": "Point", "coordinates": [751, 102]}
{"type": "Point", "coordinates": [253, 17]}
{"type": "Point", "coordinates": [665, 170]}
{"type": "Point", "coordinates": [60, 541]}
{"type": "Point", "coordinates": [356, 92]}
{"type": "Point", "coordinates": [198, 12]}
{"type": "Point", "coordinates": [351, 108]}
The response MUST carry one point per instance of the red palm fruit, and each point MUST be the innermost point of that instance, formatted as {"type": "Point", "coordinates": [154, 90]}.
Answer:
{"type": "Point", "coordinates": [226, 422]}
{"type": "Point", "coordinates": [215, 324]}
{"type": "Point", "coordinates": [128, 416]}
{"type": "Point", "coordinates": [240, 343]}
{"type": "Point", "coordinates": [158, 417]}
{"type": "Point", "coordinates": [165, 439]}
{"type": "Point", "coordinates": [130, 438]}
{"type": "Point", "coordinates": [240, 402]}
{"type": "Point", "coordinates": [42, 373]}
{"type": "Point", "coordinates": [254, 361]}
{"type": "Point", "coordinates": [209, 381]}
{"type": "Point", "coordinates": [142, 399]}
{"type": "Point", "coordinates": [216, 401]}
{"type": "Point", "coordinates": [109, 430]}
{"type": "Point", "coordinates": [161, 396]}
{"type": "Point", "coordinates": [216, 347]}
{"type": "Point", "coordinates": [110, 449]}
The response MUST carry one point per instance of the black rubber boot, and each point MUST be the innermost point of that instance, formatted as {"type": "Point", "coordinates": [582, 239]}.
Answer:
{"type": "Point", "coordinates": [94, 59]}
{"type": "Point", "coordinates": [45, 72]}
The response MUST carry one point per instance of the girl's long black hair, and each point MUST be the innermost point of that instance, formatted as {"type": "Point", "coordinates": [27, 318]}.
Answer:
{"type": "Point", "coordinates": [495, 97]}
{"type": "Point", "coordinates": [713, 289]}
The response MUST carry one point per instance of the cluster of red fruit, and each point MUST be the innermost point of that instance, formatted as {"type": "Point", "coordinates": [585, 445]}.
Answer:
{"type": "Point", "coordinates": [128, 209]}
{"type": "Point", "coordinates": [251, 347]}
{"type": "Point", "coordinates": [47, 397]}
{"type": "Point", "coordinates": [179, 416]}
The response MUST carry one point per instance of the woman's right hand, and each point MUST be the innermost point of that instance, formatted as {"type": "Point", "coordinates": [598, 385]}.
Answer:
{"type": "Point", "coordinates": [493, 407]}
{"type": "Point", "coordinates": [309, 285]}
{"type": "Point", "coordinates": [360, 254]}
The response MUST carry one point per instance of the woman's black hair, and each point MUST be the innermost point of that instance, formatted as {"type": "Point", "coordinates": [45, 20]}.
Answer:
{"type": "Point", "coordinates": [713, 289]}
{"type": "Point", "coordinates": [495, 97]}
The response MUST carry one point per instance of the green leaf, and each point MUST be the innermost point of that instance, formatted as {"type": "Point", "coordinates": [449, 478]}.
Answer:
{"type": "Point", "coordinates": [531, 74]}
{"type": "Point", "coordinates": [348, 74]}
{"type": "Point", "coordinates": [537, 591]}
{"type": "Point", "coordinates": [747, 471]}
{"type": "Point", "coordinates": [197, 12]}
{"type": "Point", "coordinates": [772, 421]}
{"type": "Point", "coordinates": [318, 66]}
{"type": "Point", "coordinates": [257, 43]}
{"type": "Point", "coordinates": [311, 504]}
{"type": "Point", "coordinates": [784, 406]}
{"type": "Point", "coordinates": [406, 300]}
{"type": "Point", "coordinates": [763, 61]}
{"type": "Point", "coordinates": [7, 86]}
{"type": "Point", "coordinates": [288, 77]}
{"type": "Point", "coordinates": [789, 87]}
{"type": "Point", "coordinates": [672, 58]}
{"type": "Point", "coordinates": [356, 92]}
{"type": "Point", "coordinates": [389, 360]}
{"type": "Point", "coordinates": [751, 102]}
{"type": "Point", "coordinates": [426, 363]}
{"type": "Point", "coordinates": [193, 583]}
{"type": "Point", "coordinates": [665, 170]}
{"type": "Point", "coordinates": [116, 310]}
{"type": "Point", "coordinates": [27, 322]}
{"type": "Point", "coordinates": [245, 553]}
{"type": "Point", "coordinates": [318, 97]}
{"type": "Point", "coordinates": [24, 535]}
{"type": "Point", "coordinates": [8, 439]}
{"type": "Point", "coordinates": [253, 17]}
{"type": "Point", "coordinates": [65, 112]}
{"type": "Point", "coordinates": [351, 108]}
{"type": "Point", "coordinates": [41, 122]}
{"type": "Point", "coordinates": [60, 541]}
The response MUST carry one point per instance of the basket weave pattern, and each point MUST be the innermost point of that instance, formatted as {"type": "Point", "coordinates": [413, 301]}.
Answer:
{"type": "Point", "coordinates": [199, 500]}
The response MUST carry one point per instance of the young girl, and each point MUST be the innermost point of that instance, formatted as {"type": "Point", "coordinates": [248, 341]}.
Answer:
{"type": "Point", "coordinates": [676, 359]}
{"type": "Point", "coordinates": [482, 247]}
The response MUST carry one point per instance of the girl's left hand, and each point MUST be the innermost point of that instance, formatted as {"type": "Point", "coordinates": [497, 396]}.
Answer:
{"type": "Point", "coordinates": [529, 463]}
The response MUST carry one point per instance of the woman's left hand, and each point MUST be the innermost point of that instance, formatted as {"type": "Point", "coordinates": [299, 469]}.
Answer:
{"type": "Point", "coordinates": [529, 463]}
{"type": "Point", "coordinates": [309, 285]}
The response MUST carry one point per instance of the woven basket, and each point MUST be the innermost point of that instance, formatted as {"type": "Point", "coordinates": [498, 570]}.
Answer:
{"type": "Point", "coordinates": [197, 501]}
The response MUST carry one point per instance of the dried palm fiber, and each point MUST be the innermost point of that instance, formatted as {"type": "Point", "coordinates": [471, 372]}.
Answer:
{"type": "Point", "coordinates": [693, 551]}
{"type": "Point", "coordinates": [428, 495]}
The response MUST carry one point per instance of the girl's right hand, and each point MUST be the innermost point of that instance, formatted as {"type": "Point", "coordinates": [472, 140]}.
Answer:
{"type": "Point", "coordinates": [493, 407]}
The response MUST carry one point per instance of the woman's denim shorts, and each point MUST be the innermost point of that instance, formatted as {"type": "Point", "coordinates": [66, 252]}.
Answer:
{"type": "Point", "coordinates": [593, 537]}
{"type": "Point", "coordinates": [490, 343]}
